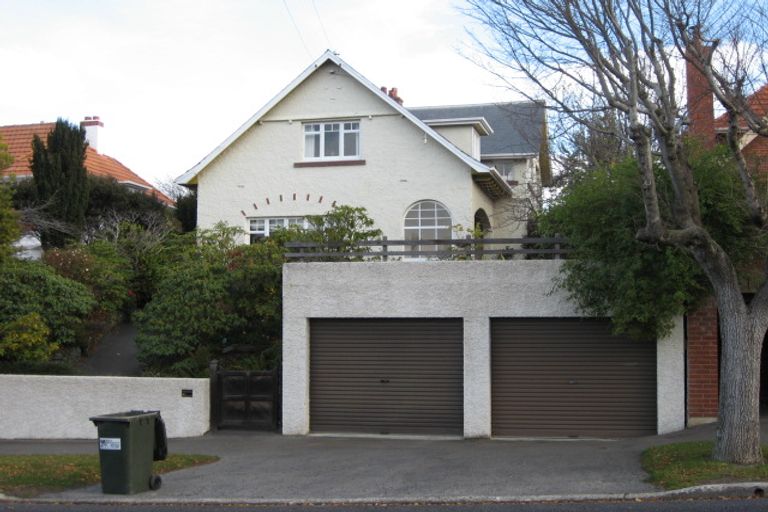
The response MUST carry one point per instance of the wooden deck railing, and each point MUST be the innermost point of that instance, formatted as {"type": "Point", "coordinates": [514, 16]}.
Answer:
{"type": "Point", "coordinates": [448, 249]}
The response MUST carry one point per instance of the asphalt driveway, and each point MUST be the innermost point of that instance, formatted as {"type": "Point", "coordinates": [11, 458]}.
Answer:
{"type": "Point", "coordinates": [270, 467]}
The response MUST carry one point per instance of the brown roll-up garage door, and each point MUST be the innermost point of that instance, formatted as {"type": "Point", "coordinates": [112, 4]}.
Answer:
{"type": "Point", "coordinates": [399, 376]}
{"type": "Point", "coordinates": [570, 377]}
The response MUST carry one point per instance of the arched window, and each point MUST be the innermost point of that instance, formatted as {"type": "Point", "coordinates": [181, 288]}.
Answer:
{"type": "Point", "coordinates": [427, 220]}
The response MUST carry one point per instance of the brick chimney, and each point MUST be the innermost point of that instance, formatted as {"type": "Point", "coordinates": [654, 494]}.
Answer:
{"type": "Point", "coordinates": [701, 110]}
{"type": "Point", "coordinates": [92, 124]}
{"type": "Point", "coordinates": [393, 94]}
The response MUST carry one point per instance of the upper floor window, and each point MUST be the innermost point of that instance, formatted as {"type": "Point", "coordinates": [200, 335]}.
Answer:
{"type": "Point", "coordinates": [509, 170]}
{"type": "Point", "coordinates": [332, 140]}
{"type": "Point", "coordinates": [260, 227]}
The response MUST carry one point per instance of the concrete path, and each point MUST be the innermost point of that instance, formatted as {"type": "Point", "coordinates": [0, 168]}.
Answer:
{"type": "Point", "coordinates": [270, 467]}
{"type": "Point", "coordinates": [116, 354]}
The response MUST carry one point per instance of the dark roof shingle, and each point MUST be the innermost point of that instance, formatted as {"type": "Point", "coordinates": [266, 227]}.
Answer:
{"type": "Point", "coordinates": [518, 127]}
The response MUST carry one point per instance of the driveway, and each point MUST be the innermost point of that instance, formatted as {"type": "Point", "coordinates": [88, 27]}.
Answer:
{"type": "Point", "coordinates": [270, 467]}
{"type": "Point", "coordinates": [116, 354]}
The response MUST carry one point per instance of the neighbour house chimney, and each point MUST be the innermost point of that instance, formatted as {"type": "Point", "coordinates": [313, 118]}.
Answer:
{"type": "Point", "coordinates": [91, 124]}
{"type": "Point", "coordinates": [701, 110]}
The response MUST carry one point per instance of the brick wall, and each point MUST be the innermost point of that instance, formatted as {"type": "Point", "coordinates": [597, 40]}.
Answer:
{"type": "Point", "coordinates": [703, 363]}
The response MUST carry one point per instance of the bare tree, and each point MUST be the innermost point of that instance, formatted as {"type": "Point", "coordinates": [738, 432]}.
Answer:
{"type": "Point", "coordinates": [145, 230]}
{"type": "Point", "coordinates": [587, 56]}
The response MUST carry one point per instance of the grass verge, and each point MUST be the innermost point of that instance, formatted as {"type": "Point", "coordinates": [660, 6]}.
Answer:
{"type": "Point", "coordinates": [27, 476]}
{"type": "Point", "coordinates": [679, 465]}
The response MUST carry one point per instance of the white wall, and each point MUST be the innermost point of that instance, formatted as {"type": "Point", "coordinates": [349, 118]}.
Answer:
{"type": "Point", "coordinates": [464, 137]}
{"type": "Point", "coordinates": [58, 407]}
{"type": "Point", "coordinates": [256, 174]}
{"type": "Point", "coordinates": [473, 290]}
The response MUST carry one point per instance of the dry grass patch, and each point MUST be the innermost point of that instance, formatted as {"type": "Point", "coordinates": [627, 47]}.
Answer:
{"type": "Point", "coordinates": [27, 476]}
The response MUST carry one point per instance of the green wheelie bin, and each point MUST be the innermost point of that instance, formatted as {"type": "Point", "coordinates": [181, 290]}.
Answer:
{"type": "Point", "coordinates": [128, 444]}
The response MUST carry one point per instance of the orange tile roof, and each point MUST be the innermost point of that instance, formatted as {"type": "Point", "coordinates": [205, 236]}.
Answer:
{"type": "Point", "coordinates": [757, 102]}
{"type": "Point", "coordinates": [19, 140]}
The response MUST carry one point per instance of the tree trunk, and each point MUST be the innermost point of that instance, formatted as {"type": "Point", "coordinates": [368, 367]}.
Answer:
{"type": "Point", "coordinates": [738, 434]}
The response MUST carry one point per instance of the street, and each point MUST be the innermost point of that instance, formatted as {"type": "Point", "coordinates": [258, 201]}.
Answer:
{"type": "Point", "coordinates": [714, 505]}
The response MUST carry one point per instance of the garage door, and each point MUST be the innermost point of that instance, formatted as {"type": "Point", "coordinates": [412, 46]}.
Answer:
{"type": "Point", "coordinates": [399, 376]}
{"type": "Point", "coordinates": [570, 377]}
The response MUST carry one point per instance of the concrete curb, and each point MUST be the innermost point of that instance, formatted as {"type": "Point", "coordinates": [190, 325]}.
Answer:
{"type": "Point", "coordinates": [737, 490]}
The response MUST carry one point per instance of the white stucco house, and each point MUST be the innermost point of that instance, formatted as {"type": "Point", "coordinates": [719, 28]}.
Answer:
{"type": "Point", "coordinates": [333, 137]}
{"type": "Point", "coordinates": [461, 348]}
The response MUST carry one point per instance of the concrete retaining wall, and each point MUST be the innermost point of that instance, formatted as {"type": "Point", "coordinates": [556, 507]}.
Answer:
{"type": "Point", "coordinates": [473, 290]}
{"type": "Point", "coordinates": [58, 407]}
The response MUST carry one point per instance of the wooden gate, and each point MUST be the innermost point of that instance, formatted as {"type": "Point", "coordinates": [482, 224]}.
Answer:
{"type": "Point", "coordinates": [248, 400]}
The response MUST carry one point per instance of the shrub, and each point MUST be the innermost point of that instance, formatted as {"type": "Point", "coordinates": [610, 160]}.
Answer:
{"type": "Point", "coordinates": [219, 296]}
{"type": "Point", "coordinates": [190, 311]}
{"type": "Point", "coordinates": [9, 223]}
{"type": "Point", "coordinates": [98, 267]}
{"type": "Point", "coordinates": [25, 338]}
{"type": "Point", "coordinates": [32, 287]}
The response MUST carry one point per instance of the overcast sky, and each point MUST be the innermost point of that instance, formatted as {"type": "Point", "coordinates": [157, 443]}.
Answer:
{"type": "Point", "coordinates": [171, 79]}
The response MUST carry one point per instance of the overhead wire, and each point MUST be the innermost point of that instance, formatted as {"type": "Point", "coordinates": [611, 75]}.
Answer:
{"type": "Point", "coordinates": [322, 26]}
{"type": "Point", "coordinates": [301, 37]}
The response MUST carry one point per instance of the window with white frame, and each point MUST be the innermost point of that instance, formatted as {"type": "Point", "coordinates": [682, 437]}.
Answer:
{"type": "Point", "coordinates": [261, 227]}
{"type": "Point", "coordinates": [334, 140]}
{"type": "Point", "coordinates": [427, 220]}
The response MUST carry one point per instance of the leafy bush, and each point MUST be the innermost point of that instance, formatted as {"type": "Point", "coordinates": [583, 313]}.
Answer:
{"type": "Point", "coordinates": [9, 223]}
{"type": "Point", "coordinates": [190, 313]}
{"type": "Point", "coordinates": [217, 298]}
{"type": "Point", "coordinates": [344, 226]}
{"type": "Point", "coordinates": [30, 287]}
{"type": "Point", "coordinates": [643, 287]}
{"type": "Point", "coordinates": [98, 267]}
{"type": "Point", "coordinates": [108, 196]}
{"type": "Point", "coordinates": [25, 338]}
{"type": "Point", "coordinates": [217, 295]}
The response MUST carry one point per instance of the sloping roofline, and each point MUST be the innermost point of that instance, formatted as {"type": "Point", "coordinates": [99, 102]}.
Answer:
{"type": "Point", "coordinates": [476, 166]}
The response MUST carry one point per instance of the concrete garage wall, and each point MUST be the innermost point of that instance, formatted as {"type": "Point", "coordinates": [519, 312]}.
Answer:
{"type": "Point", "coordinates": [58, 407]}
{"type": "Point", "coordinates": [473, 290]}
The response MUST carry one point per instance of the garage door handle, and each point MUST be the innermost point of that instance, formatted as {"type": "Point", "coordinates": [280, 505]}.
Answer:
{"type": "Point", "coordinates": [384, 381]}
{"type": "Point", "coordinates": [572, 382]}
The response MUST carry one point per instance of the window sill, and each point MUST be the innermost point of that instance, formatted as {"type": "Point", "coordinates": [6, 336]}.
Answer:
{"type": "Point", "coordinates": [329, 163]}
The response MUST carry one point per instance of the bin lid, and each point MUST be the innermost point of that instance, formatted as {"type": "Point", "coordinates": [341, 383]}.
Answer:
{"type": "Point", "coordinates": [123, 417]}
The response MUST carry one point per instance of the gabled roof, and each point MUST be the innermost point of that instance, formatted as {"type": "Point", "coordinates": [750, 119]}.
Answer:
{"type": "Point", "coordinates": [329, 56]}
{"type": "Point", "coordinates": [757, 102]}
{"type": "Point", "coordinates": [518, 127]}
{"type": "Point", "coordinates": [19, 140]}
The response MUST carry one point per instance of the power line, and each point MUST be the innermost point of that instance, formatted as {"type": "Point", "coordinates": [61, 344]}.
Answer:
{"type": "Point", "coordinates": [304, 43]}
{"type": "Point", "coordinates": [327, 39]}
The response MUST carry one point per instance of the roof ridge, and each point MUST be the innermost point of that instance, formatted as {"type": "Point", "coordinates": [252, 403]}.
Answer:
{"type": "Point", "coordinates": [41, 123]}
{"type": "Point", "coordinates": [490, 104]}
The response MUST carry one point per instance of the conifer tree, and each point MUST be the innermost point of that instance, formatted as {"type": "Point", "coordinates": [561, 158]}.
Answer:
{"type": "Point", "coordinates": [58, 168]}
{"type": "Point", "coordinates": [9, 218]}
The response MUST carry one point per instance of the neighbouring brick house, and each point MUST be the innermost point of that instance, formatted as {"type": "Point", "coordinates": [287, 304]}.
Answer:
{"type": "Point", "coordinates": [702, 332]}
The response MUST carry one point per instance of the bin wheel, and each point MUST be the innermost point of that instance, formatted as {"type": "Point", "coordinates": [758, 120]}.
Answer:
{"type": "Point", "coordinates": [155, 482]}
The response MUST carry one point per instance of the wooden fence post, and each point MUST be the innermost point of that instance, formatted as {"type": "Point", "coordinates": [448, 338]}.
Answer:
{"type": "Point", "coordinates": [384, 248]}
{"type": "Point", "coordinates": [213, 372]}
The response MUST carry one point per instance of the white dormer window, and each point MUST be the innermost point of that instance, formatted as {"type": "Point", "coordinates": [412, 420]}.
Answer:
{"type": "Point", "coordinates": [332, 140]}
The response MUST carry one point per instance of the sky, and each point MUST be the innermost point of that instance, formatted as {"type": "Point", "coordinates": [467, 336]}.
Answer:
{"type": "Point", "coordinates": [171, 79]}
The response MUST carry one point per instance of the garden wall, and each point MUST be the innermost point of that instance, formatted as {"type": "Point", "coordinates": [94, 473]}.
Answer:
{"type": "Point", "coordinates": [58, 407]}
